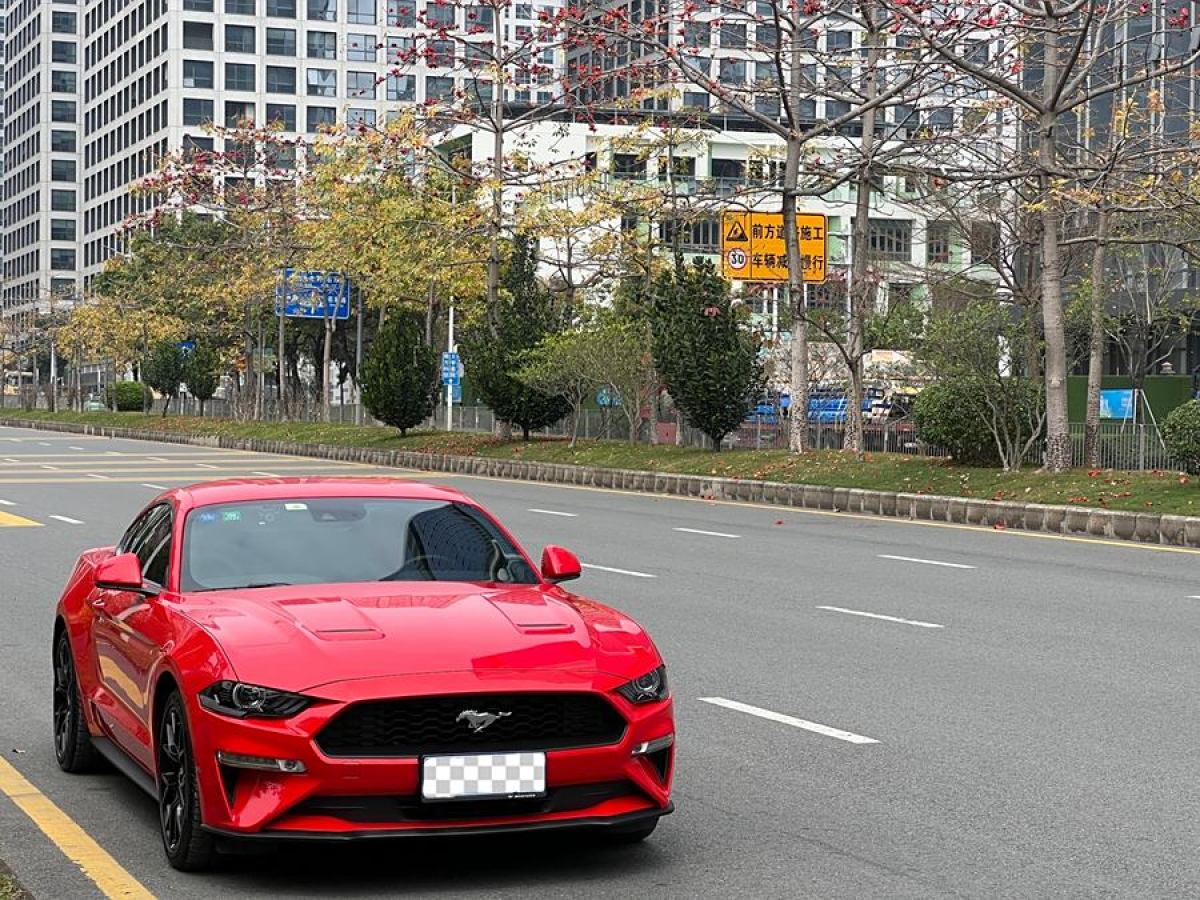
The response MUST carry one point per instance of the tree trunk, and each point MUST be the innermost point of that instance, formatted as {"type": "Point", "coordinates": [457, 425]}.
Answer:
{"type": "Point", "coordinates": [1058, 436]}
{"type": "Point", "coordinates": [166, 405]}
{"type": "Point", "coordinates": [1091, 431]}
{"type": "Point", "coordinates": [798, 434]}
{"type": "Point", "coordinates": [653, 417]}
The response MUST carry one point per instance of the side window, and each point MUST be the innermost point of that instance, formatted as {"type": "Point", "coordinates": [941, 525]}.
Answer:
{"type": "Point", "coordinates": [154, 553]}
{"type": "Point", "coordinates": [133, 532]}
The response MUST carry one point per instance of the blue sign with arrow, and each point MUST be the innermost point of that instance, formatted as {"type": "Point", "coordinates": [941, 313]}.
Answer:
{"type": "Point", "coordinates": [312, 295]}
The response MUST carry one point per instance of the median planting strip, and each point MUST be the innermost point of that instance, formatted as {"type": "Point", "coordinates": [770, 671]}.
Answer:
{"type": "Point", "coordinates": [1145, 527]}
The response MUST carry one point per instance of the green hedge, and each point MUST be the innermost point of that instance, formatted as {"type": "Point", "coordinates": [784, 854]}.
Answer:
{"type": "Point", "coordinates": [1181, 433]}
{"type": "Point", "coordinates": [131, 396]}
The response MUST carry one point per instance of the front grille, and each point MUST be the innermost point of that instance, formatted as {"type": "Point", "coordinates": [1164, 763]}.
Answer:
{"type": "Point", "coordinates": [424, 725]}
{"type": "Point", "coordinates": [383, 810]}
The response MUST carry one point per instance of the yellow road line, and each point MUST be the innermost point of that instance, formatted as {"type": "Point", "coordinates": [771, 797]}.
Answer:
{"type": "Point", "coordinates": [879, 520]}
{"type": "Point", "coordinates": [75, 843]}
{"type": "Point", "coordinates": [8, 520]}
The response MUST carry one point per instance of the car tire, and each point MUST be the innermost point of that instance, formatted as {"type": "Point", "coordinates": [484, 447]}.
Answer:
{"type": "Point", "coordinates": [188, 846]}
{"type": "Point", "coordinates": [632, 834]}
{"type": "Point", "coordinates": [73, 747]}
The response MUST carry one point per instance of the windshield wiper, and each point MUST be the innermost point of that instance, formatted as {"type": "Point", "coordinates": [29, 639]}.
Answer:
{"type": "Point", "coordinates": [262, 584]}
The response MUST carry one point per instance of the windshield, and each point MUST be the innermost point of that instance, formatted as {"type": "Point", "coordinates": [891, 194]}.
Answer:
{"type": "Point", "coordinates": [325, 541]}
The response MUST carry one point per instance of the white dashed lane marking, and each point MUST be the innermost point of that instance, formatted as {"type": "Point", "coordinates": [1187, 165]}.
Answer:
{"type": "Point", "coordinates": [815, 727]}
{"type": "Point", "coordinates": [67, 519]}
{"type": "Point", "coordinates": [618, 571]}
{"type": "Point", "coordinates": [720, 534]}
{"type": "Point", "coordinates": [867, 615]}
{"type": "Point", "coordinates": [553, 512]}
{"type": "Point", "coordinates": [925, 562]}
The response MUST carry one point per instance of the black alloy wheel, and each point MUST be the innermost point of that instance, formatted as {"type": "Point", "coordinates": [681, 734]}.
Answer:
{"type": "Point", "coordinates": [73, 748]}
{"type": "Point", "coordinates": [188, 847]}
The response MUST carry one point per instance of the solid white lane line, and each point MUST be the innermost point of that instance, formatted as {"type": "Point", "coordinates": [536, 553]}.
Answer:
{"type": "Point", "coordinates": [553, 512]}
{"type": "Point", "coordinates": [206, 466]}
{"type": "Point", "coordinates": [720, 534]}
{"type": "Point", "coordinates": [157, 487]}
{"type": "Point", "coordinates": [94, 475]}
{"type": "Point", "coordinates": [848, 736]}
{"type": "Point", "coordinates": [67, 519]}
{"type": "Point", "coordinates": [858, 612]}
{"type": "Point", "coordinates": [618, 571]}
{"type": "Point", "coordinates": [927, 562]}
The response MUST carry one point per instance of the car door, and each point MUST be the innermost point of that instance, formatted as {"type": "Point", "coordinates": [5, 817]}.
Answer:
{"type": "Point", "coordinates": [128, 629]}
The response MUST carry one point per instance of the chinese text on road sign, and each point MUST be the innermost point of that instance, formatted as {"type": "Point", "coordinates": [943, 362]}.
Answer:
{"type": "Point", "coordinates": [752, 246]}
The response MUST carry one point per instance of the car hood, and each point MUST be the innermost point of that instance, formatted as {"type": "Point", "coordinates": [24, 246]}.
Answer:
{"type": "Point", "coordinates": [299, 637]}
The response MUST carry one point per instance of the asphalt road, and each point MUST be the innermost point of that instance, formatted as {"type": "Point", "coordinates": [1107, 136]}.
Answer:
{"type": "Point", "coordinates": [866, 707]}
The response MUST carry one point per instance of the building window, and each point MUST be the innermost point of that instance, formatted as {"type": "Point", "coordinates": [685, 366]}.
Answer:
{"type": "Point", "coordinates": [62, 170]}
{"type": "Point", "coordinates": [733, 71]}
{"type": "Point", "coordinates": [360, 47]}
{"type": "Point", "coordinates": [62, 22]}
{"type": "Point", "coordinates": [197, 74]}
{"type": "Point", "coordinates": [322, 83]}
{"type": "Point", "coordinates": [197, 111]}
{"type": "Point", "coordinates": [729, 171]}
{"type": "Point", "coordinates": [62, 260]}
{"type": "Point", "coordinates": [240, 7]}
{"type": "Point", "coordinates": [62, 110]}
{"type": "Point", "coordinates": [62, 229]}
{"type": "Point", "coordinates": [197, 36]}
{"type": "Point", "coordinates": [281, 41]}
{"type": "Point", "coordinates": [733, 36]}
{"type": "Point", "coordinates": [400, 50]}
{"type": "Point", "coordinates": [62, 201]}
{"type": "Point", "coordinates": [62, 141]}
{"type": "Point", "coordinates": [891, 239]}
{"type": "Point", "coordinates": [63, 82]}
{"type": "Point", "coordinates": [62, 52]}
{"type": "Point", "coordinates": [281, 9]}
{"type": "Point", "coordinates": [439, 15]}
{"type": "Point", "coordinates": [401, 87]}
{"type": "Point", "coordinates": [282, 115]}
{"type": "Point", "coordinates": [439, 89]}
{"type": "Point", "coordinates": [240, 39]}
{"type": "Point", "coordinates": [321, 45]}
{"type": "Point", "coordinates": [985, 243]}
{"type": "Point", "coordinates": [318, 117]}
{"type": "Point", "coordinates": [198, 5]}
{"type": "Point", "coordinates": [360, 85]}
{"type": "Point", "coordinates": [837, 40]}
{"type": "Point", "coordinates": [941, 119]}
{"type": "Point", "coordinates": [322, 10]}
{"type": "Point", "coordinates": [479, 17]}
{"type": "Point", "coordinates": [696, 100]}
{"type": "Point", "coordinates": [62, 285]}
{"type": "Point", "coordinates": [937, 243]}
{"type": "Point", "coordinates": [281, 80]}
{"type": "Point", "coordinates": [402, 13]}
{"type": "Point", "coordinates": [239, 77]}
{"type": "Point", "coordinates": [238, 112]}
{"type": "Point", "coordinates": [360, 116]}
{"type": "Point", "coordinates": [193, 145]}
{"type": "Point", "coordinates": [360, 12]}
{"type": "Point", "coordinates": [697, 34]}
{"type": "Point", "coordinates": [439, 54]}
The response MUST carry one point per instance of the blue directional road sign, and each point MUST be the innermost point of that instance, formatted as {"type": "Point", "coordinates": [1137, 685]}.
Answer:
{"type": "Point", "coordinates": [312, 295]}
{"type": "Point", "coordinates": [450, 370]}
{"type": "Point", "coordinates": [608, 397]}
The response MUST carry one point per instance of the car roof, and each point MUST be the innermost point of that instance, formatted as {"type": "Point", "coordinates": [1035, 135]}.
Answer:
{"type": "Point", "coordinates": [235, 490]}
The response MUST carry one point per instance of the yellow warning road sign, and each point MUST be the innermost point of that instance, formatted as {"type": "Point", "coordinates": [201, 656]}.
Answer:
{"type": "Point", "coordinates": [753, 248]}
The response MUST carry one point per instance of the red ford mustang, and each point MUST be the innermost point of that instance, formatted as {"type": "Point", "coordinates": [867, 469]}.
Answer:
{"type": "Point", "coordinates": [349, 658]}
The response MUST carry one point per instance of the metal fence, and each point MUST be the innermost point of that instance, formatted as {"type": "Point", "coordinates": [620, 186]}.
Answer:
{"type": "Point", "coordinates": [1122, 445]}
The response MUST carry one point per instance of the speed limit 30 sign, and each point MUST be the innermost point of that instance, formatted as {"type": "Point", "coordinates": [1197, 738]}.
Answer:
{"type": "Point", "coordinates": [737, 259]}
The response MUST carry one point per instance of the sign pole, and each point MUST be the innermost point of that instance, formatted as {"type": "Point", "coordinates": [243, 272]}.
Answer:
{"type": "Point", "coordinates": [449, 385]}
{"type": "Point", "coordinates": [358, 352]}
{"type": "Point", "coordinates": [279, 362]}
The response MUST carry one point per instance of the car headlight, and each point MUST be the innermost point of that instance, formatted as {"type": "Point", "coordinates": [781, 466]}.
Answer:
{"type": "Point", "coordinates": [649, 688]}
{"type": "Point", "coordinates": [232, 698]}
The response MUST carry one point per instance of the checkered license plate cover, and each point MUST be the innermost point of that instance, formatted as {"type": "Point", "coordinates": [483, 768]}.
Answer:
{"type": "Point", "coordinates": [483, 775]}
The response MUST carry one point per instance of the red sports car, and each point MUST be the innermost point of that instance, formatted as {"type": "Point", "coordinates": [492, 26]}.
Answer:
{"type": "Point", "coordinates": [354, 658]}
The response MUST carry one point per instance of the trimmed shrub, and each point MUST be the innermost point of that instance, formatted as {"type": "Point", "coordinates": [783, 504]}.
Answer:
{"type": "Point", "coordinates": [953, 415]}
{"type": "Point", "coordinates": [1181, 433]}
{"type": "Point", "coordinates": [131, 396]}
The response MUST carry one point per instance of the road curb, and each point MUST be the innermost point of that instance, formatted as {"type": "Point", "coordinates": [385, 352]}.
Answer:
{"type": "Point", "coordinates": [1147, 528]}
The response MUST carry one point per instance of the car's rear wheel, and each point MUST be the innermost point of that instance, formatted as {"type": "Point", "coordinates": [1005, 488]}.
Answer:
{"type": "Point", "coordinates": [188, 847]}
{"type": "Point", "coordinates": [73, 746]}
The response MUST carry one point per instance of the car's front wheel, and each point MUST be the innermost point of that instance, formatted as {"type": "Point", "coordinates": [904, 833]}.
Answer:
{"type": "Point", "coordinates": [73, 746]}
{"type": "Point", "coordinates": [189, 848]}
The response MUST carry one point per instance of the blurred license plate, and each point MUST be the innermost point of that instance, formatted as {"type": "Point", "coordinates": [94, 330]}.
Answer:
{"type": "Point", "coordinates": [472, 776]}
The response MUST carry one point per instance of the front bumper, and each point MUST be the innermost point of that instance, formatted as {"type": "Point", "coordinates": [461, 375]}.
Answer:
{"type": "Point", "coordinates": [350, 798]}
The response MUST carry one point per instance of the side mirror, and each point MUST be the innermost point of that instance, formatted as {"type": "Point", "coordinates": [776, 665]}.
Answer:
{"type": "Point", "coordinates": [559, 564]}
{"type": "Point", "coordinates": [122, 573]}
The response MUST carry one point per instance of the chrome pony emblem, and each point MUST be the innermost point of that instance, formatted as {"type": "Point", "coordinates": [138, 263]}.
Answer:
{"type": "Point", "coordinates": [477, 721]}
